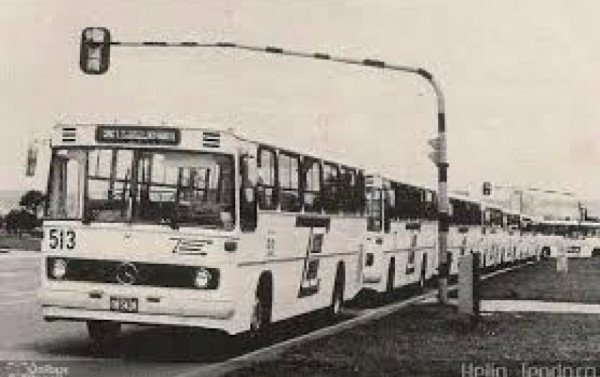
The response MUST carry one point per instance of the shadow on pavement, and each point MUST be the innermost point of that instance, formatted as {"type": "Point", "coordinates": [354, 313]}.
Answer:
{"type": "Point", "coordinates": [179, 344]}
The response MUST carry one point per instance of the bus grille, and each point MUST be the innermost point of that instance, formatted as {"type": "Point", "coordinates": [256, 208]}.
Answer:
{"type": "Point", "coordinates": [148, 274]}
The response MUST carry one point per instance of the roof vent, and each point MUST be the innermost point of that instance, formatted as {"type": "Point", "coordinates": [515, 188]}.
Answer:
{"type": "Point", "coordinates": [69, 135]}
{"type": "Point", "coordinates": [211, 139]}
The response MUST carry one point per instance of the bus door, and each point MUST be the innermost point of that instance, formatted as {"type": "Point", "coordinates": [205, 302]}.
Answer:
{"type": "Point", "coordinates": [413, 230]}
{"type": "Point", "coordinates": [374, 213]}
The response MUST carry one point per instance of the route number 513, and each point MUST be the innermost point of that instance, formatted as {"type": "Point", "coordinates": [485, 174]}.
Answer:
{"type": "Point", "coordinates": [61, 239]}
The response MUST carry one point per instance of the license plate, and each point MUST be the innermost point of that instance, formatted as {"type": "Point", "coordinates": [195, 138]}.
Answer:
{"type": "Point", "coordinates": [126, 305]}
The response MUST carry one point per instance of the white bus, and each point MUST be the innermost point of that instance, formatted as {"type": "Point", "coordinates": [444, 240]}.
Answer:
{"type": "Point", "coordinates": [529, 244]}
{"type": "Point", "coordinates": [402, 235]}
{"type": "Point", "coordinates": [574, 238]}
{"type": "Point", "coordinates": [195, 227]}
{"type": "Point", "coordinates": [512, 231]}
{"type": "Point", "coordinates": [465, 233]}
{"type": "Point", "coordinates": [591, 229]}
{"type": "Point", "coordinates": [494, 241]}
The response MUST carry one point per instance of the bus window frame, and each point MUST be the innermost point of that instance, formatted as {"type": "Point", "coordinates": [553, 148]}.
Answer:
{"type": "Point", "coordinates": [389, 206]}
{"type": "Point", "coordinates": [49, 185]}
{"type": "Point", "coordinates": [261, 186]}
{"type": "Point", "coordinates": [248, 209]}
{"type": "Point", "coordinates": [373, 216]}
{"type": "Point", "coordinates": [308, 163]}
{"type": "Point", "coordinates": [330, 191]}
{"type": "Point", "coordinates": [349, 204]}
{"type": "Point", "coordinates": [281, 190]}
{"type": "Point", "coordinates": [409, 204]}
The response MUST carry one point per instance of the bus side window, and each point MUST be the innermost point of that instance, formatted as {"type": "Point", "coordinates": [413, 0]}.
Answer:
{"type": "Point", "coordinates": [267, 179]}
{"type": "Point", "coordinates": [348, 188]}
{"type": "Point", "coordinates": [389, 209]}
{"type": "Point", "coordinates": [359, 193]}
{"type": "Point", "coordinates": [311, 183]}
{"type": "Point", "coordinates": [373, 209]}
{"type": "Point", "coordinates": [330, 188]}
{"type": "Point", "coordinates": [248, 205]}
{"type": "Point", "coordinates": [428, 205]}
{"type": "Point", "coordinates": [401, 201]}
{"type": "Point", "coordinates": [289, 190]}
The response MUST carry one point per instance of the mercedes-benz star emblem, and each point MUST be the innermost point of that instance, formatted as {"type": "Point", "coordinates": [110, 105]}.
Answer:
{"type": "Point", "coordinates": [127, 273]}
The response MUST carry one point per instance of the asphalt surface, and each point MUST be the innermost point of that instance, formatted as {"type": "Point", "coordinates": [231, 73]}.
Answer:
{"type": "Point", "coordinates": [27, 341]}
{"type": "Point", "coordinates": [141, 351]}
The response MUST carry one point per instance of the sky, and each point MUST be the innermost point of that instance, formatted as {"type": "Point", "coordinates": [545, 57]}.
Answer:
{"type": "Point", "coordinates": [520, 78]}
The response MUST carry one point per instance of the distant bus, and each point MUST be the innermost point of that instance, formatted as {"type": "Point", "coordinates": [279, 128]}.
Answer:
{"type": "Point", "coordinates": [197, 227]}
{"type": "Point", "coordinates": [571, 237]}
{"type": "Point", "coordinates": [402, 231]}
{"type": "Point", "coordinates": [465, 235]}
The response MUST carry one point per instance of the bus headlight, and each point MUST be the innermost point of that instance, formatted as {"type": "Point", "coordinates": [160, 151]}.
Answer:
{"type": "Point", "coordinates": [203, 278]}
{"type": "Point", "coordinates": [59, 268]}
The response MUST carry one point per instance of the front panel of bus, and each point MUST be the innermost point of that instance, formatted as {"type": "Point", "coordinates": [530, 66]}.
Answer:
{"type": "Point", "coordinates": [141, 226]}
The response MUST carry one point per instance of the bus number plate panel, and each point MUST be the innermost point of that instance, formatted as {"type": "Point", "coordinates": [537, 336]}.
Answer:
{"type": "Point", "coordinates": [123, 304]}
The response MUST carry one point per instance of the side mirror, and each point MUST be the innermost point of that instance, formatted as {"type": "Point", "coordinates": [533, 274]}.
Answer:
{"type": "Point", "coordinates": [32, 152]}
{"type": "Point", "coordinates": [94, 54]}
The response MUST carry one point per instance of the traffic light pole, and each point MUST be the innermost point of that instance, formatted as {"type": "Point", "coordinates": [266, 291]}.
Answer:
{"type": "Point", "coordinates": [441, 160]}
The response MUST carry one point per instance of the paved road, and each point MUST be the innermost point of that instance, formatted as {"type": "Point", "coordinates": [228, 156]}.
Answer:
{"type": "Point", "coordinates": [142, 351]}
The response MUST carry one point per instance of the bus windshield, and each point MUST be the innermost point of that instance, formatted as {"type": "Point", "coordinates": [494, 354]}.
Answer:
{"type": "Point", "coordinates": [142, 186]}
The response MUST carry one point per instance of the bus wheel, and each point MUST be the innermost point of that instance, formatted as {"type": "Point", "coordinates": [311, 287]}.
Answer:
{"type": "Point", "coordinates": [103, 331]}
{"type": "Point", "coordinates": [422, 281]}
{"type": "Point", "coordinates": [389, 288]}
{"type": "Point", "coordinates": [261, 311]}
{"type": "Point", "coordinates": [337, 297]}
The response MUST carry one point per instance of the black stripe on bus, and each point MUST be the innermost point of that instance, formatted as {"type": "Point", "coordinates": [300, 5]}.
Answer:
{"type": "Point", "coordinates": [313, 222]}
{"type": "Point", "coordinates": [413, 226]}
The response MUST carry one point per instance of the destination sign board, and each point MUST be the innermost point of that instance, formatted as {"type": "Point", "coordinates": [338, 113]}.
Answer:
{"type": "Point", "coordinates": [137, 135]}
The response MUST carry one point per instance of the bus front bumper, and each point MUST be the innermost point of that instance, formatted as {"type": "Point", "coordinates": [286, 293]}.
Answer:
{"type": "Point", "coordinates": [172, 308]}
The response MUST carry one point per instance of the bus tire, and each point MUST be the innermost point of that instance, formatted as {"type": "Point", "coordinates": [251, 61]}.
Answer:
{"type": "Point", "coordinates": [337, 296]}
{"type": "Point", "coordinates": [389, 288]}
{"type": "Point", "coordinates": [103, 331]}
{"type": "Point", "coordinates": [421, 283]}
{"type": "Point", "coordinates": [260, 319]}
{"type": "Point", "coordinates": [423, 275]}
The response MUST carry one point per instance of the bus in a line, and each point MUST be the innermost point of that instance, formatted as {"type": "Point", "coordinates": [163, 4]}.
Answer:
{"type": "Point", "coordinates": [195, 227]}
{"type": "Point", "coordinates": [401, 244]}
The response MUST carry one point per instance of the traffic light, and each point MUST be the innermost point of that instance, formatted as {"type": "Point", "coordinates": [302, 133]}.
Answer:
{"type": "Point", "coordinates": [487, 188]}
{"type": "Point", "coordinates": [94, 54]}
{"type": "Point", "coordinates": [435, 154]}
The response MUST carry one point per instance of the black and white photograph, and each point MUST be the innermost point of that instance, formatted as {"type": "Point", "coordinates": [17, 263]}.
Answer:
{"type": "Point", "coordinates": [266, 188]}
